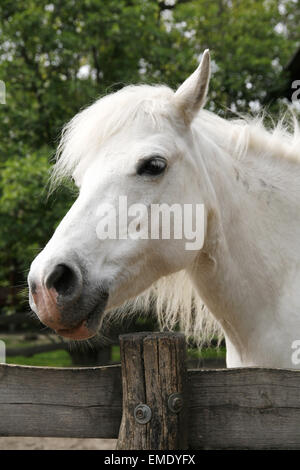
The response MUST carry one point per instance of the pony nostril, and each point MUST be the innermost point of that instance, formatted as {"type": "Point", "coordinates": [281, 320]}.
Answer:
{"type": "Point", "coordinates": [63, 279]}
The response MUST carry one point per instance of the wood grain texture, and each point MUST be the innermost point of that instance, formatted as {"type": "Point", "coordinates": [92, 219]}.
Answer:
{"type": "Point", "coordinates": [165, 374]}
{"type": "Point", "coordinates": [52, 402]}
{"type": "Point", "coordinates": [153, 368]}
{"type": "Point", "coordinates": [130, 435]}
{"type": "Point", "coordinates": [248, 408]}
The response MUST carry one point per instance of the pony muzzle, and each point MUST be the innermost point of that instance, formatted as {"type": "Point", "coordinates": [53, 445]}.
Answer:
{"type": "Point", "coordinates": [55, 297]}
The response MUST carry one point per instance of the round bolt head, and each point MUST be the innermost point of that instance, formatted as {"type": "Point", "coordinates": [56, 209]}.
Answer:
{"type": "Point", "coordinates": [142, 414]}
{"type": "Point", "coordinates": [175, 402]}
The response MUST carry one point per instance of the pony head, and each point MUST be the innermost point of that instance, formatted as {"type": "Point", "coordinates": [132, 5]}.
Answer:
{"type": "Point", "coordinates": [129, 152]}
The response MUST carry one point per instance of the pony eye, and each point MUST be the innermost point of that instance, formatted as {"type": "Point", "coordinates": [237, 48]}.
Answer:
{"type": "Point", "coordinates": [152, 166]}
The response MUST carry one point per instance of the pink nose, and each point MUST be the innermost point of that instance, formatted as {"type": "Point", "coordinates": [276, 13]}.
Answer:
{"type": "Point", "coordinates": [55, 296]}
{"type": "Point", "coordinates": [46, 304]}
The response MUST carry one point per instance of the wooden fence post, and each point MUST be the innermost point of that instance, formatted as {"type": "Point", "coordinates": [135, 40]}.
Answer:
{"type": "Point", "coordinates": [154, 404]}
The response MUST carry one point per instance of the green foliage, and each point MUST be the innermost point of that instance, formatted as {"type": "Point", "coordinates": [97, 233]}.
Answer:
{"type": "Point", "coordinates": [45, 45]}
{"type": "Point", "coordinates": [250, 44]}
{"type": "Point", "coordinates": [56, 57]}
{"type": "Point", "coordinates": [27, 216]}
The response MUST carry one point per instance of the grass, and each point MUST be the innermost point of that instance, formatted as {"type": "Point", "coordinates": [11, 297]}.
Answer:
{"type": "Point", "coordinates": [62, 358]}
{"type": "Point", "coordinates": [115, 354]}
{"type": "Point", "coordinates": [207, 353]}
{"type": "Point", "coordinates": [57, 358]}
{"type": "Point", "coordinates": [49, 359]}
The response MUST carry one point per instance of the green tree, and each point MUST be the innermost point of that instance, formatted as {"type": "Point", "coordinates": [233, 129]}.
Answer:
{"type": "Point", "coordinates": [251, 42]}
{"type": "Point", "coordinates": [27, 216]}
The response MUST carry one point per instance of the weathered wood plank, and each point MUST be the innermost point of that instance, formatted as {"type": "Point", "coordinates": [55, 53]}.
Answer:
{"type": "Point", "coordinates": [153, 369]}
{"type": "Point", "coordinates": [131, 435]}
{"type": "Point", "coordinates": [244, 409]}
{"type": "Point", "coordinates": [165, 374]}
{"type": "Point", "coordinates": [228, 409]}
{"type": "Point", "coordinates": [55, 402]}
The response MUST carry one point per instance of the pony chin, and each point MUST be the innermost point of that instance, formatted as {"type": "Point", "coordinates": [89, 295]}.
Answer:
{"type": "Point", "coordinates": [78, 333]}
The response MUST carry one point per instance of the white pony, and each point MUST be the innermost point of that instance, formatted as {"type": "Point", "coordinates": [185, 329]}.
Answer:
{"type": "Point", "coordinates": [156, 146]}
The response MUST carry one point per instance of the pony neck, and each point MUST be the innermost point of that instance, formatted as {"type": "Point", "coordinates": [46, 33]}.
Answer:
{"type": "Point", "coordinates": [246, 265]}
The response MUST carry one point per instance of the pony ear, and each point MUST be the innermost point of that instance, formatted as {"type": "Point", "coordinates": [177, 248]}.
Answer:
{"type": "Point", "coordinates": [191, 95]}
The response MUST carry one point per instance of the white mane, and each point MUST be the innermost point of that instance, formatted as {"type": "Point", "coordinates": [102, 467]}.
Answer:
{"type": "Point", "coordinates": [176, 301]}
{"type": "Point", "coordinates": [239, 136]}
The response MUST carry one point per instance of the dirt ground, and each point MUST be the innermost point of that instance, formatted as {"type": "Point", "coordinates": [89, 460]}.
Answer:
{"type": "Point", "coordinates": [53, 443]}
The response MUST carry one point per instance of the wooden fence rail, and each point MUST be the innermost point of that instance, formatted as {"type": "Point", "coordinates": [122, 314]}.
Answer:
{"type": "Point", "coordinates": [251, 408]}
